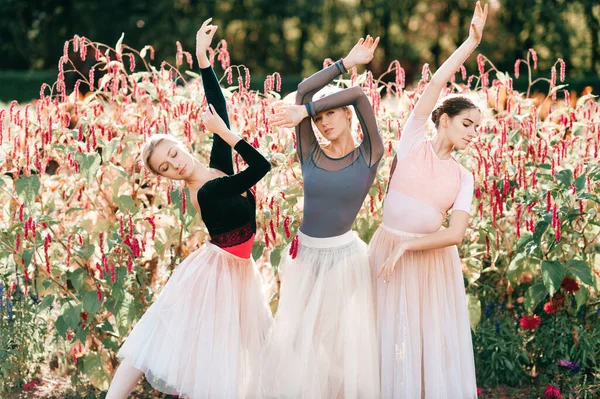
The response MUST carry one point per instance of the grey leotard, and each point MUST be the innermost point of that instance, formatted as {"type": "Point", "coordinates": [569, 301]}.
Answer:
{"type": "Point", "coordinates": [335, 188]}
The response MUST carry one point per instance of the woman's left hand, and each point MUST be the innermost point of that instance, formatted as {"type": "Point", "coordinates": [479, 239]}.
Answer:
{"type": "Point", "coordinates": [389, 266]}
{"type": "Point", "coordinates": [212, 121]}
{"type": "Point", "coordinates": [288, 116]}
{"type": "Point", "coordinates": [478, 22]}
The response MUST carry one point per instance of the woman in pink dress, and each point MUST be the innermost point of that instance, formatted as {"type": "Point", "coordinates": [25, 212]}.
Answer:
{"type": "Point", "coordinates": [423, 323]}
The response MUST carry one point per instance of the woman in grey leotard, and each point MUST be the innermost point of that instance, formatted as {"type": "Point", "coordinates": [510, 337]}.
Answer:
{"type": "Point", "coordinates": [323, 343]}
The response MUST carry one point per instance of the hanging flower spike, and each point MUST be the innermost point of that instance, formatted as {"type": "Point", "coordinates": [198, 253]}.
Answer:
{"type": "Point", "coordinates": [294, 247]}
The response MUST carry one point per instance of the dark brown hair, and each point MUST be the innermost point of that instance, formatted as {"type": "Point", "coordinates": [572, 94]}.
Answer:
{"type": "Point", "coordinates": [452, 106]}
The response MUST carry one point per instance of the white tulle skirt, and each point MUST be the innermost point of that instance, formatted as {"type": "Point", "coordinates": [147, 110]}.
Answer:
{"type": "Point", "coordinates": [423, 322]}
{"type": "Point", "coordinates": [323, 344]}
{"type": "Point", "coordinates": [202, 336]}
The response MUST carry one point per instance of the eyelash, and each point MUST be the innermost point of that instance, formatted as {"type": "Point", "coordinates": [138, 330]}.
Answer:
{"type": "Point", "coordinates": [172, 156]}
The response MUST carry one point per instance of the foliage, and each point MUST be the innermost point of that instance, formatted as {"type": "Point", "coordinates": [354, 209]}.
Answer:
{"type": "Point", "coordinates": [88, 233]}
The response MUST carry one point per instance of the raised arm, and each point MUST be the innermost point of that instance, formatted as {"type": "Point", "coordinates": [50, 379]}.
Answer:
{"type": "Point", "coordinates": [241, 182]}
{"type": "Point", "coordinates": [305, 136]}
{"type": "Point", "coordinates": [372, 144]}
{"type": "Point", "coordinates": [220, 154]}
{"type": "Point", "coordinates": [361, 53]}
{"type": "Point", "coordinates": [413, 131]}
{"type": "Point", "coordinates": [440, 78]}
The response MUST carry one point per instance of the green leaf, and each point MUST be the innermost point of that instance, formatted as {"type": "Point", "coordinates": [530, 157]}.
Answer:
{"type": "Point", "coordinates": [474, 306]}
{"type": "Point", "coordinates": [88, 165]}
{"type": "Point", "coordinates": [109, 149]}
{"type": "Point", "coordinates": [61, 326]}
{"type": "Point", "coordinates": [27, 255]}
{"type": "Point", "coordinates": [90, 302]}
{"type": "Point", "coordinates": [275, 257]}
{"type": "Point", "coordinates": [565, 176]}
{"type": "Point", "coordinates": [580, 182]}
{"type": "Point", "coordinates": [581, 296]}
{"type": "Point", "coordinates": [77, 278]}
{"type": "Point", "coordinates": [46, 302]}
{"type": "Point", "coordinates": [126, 204]}
{"type": "Point", "coordinates": [515, 268]}
{"type": "Point", "coordinates": [534, 295]}
{"type": "Point", "coordinates": [582, 270]}
{"type": "Point", "coordinates": [257, 249]}
{"type": "Point", "coordinates": [28, 187]}
{"type": "Point", "coordinates": [95, 371]}
{"type": "Point", "coordinates": [540, 229]}
{"type": "Point", "coordinates": [553, 273]}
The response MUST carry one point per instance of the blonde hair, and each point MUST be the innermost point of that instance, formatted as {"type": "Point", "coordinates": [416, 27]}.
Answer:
{"type": "Point", "coordinates": [329, 90]}
{"type": "Point", "coordinates": [151, 144]}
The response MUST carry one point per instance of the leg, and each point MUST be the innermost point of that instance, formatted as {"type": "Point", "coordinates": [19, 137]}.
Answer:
{"type": "Point", "coordinates": [125, 379]}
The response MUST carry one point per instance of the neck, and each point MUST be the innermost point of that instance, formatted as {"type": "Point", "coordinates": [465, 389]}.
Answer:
{"type": "Point", "coordinates": [199, 176]}
{"type": "Point", "coordinates": [341, 146]}
{"type": "Point", "coordinates": [443, 147]}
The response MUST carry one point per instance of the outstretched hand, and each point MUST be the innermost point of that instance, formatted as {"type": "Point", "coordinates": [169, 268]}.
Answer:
{"type": "Point", "coordinates": [288, 116]}
{"type": "Point", "coordinates": [204, 38]}
{"type": "Point", "coordinates": [362, 53]}
{"type": "Point", "coordinates": [478, 22]}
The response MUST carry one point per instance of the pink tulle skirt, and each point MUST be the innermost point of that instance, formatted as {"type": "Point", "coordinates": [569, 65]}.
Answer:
{"type": "Point", "coordinates": [423, 322]}
{"type": "Point", "coordinates": [202, 336]}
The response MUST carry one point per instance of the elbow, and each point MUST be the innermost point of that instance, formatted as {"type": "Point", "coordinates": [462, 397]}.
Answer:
{"type": "Point", "coordinates": [265, 166]}
{"type": "Point", "coordinates": [301, 92]}
{"type": "Point", "coordinates": [457, 237]}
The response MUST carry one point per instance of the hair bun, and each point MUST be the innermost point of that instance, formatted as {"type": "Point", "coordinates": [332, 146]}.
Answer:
{"type": "Point", "coordinates": [435, 115]}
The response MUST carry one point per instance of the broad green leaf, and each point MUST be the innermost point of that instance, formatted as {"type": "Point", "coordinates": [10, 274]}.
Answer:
{"type": "Point", "coordinates": [580, 182]}
{"type": "Point", "coordinates": [565, 176]}
{"type": "Point", "coordinates": [275, 257]}
{"type": "Point", "coordinates": [534, 295]}
{"type": "Point", "coordinates": [90, 302]}
{"type": "Point", "coordinates": [46, 302]}
{"type": "Point", "coordinates": [540, 229]}
{"type": "Point", "coordinates": [109, 149]}
{"type": "Point", "coordinates": [590, 197]}
{"type": "Point", "coordinates": [582, 270]}
{"type": "Point", "coordinates": [126, 204]}
{"type": "Point", "coordinates": [553, 273]}
{"type": "Point", "coordinates": [95, 371]}
{"type": "Point", "coordinates": [61, 326]}
{"type": "Point", "coordinates": [88, 165]}
{"type": "Point", "coordinates": [581, 296]}
{"type": "Point", "coordinates": [257, 249]}
{"type": "Point", "coordinates": [28, 187]}
{"type": "Point", "coordinates": [77, 278]}
{"type": "Point", "coordinates": [27, 255]}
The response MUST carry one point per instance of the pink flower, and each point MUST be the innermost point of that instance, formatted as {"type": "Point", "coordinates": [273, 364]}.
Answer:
{"type": "Point", "coordinates": [552, 392]}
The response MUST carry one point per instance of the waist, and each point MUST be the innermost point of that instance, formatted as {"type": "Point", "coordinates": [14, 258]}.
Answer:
{"type": "Point", "coordinates": [327, 242]}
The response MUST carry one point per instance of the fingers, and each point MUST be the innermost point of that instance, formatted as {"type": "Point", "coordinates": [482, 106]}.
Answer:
{"type": "Point", "coordinates": [485, 12]}
{"type": "Point", "coordinates": [206, 23]}
{"type": "Point", "coordinates": [375, 43]}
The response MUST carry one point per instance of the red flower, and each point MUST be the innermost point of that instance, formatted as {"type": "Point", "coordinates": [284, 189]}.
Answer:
{"type": "Point", "coordinates": [478, 391]}
{"type": "Point", "coordinates": [530, 322]}
{"type": "Point", "coordinates": [548, 308]}
{"type": "Point", "coordinates": [30, 385]}
{"type": "Point", "coordinates": [552, 392]}
{"type": "Point", "coordinates": [570, 284]}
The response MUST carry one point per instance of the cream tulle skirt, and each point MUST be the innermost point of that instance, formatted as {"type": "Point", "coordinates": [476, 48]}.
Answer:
{"type": "Point", "coordinates": [323, 344]}
{"type": "Point", "coordinates": [202, 336]}
{"type": "Point", "coordinates": [423, 322]}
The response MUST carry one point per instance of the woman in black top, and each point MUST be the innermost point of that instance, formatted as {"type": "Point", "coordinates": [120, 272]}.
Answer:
{"type": "Point", "coordinates": [209, 323]}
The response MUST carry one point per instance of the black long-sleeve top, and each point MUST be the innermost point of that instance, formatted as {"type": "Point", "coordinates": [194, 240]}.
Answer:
{"type": "Point", "coordinates": [229, 215]}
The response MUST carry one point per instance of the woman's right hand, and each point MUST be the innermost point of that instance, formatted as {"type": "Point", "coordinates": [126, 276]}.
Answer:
{"type": "Point", "coordinates": [203, 40]}
{"type": "Point", "coordinates": [362, 53]}
{"type": "Point", "coordinates": [478, 22]}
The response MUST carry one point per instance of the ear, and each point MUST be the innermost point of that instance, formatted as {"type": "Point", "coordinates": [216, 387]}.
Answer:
{"type": "Point", "coordinates": [444, 120]}
{"type": "Point", "coordinates": [348, 112]}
